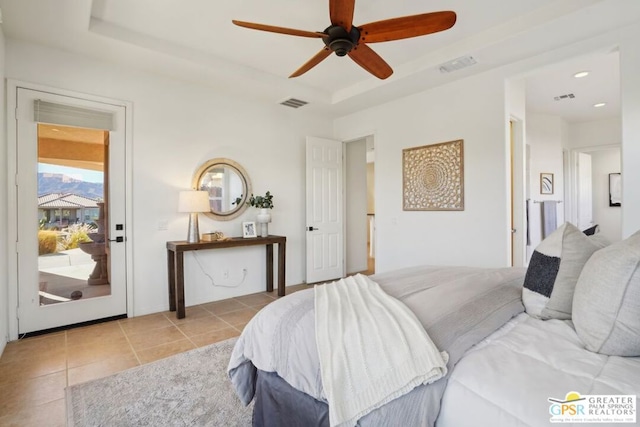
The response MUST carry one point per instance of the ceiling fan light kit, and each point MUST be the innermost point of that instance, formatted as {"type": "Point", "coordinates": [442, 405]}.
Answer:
{"type": "Point", "coordinates": [344, 38]}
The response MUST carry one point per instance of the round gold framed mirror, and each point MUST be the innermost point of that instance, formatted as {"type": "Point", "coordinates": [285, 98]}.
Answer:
{"type": "Point", "coordinates": [225, 181]}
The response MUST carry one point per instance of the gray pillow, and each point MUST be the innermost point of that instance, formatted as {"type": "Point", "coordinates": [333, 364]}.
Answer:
{"type": "Point", "coordinates": [606, 304]}
{"type": "Point", "coordinates": [554, 270]}
{"type": "Point", "coordinates": [599, 240]}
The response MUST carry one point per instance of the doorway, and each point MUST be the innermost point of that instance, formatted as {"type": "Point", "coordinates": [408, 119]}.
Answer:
{"type": "Point", "coordinates": [589, 199]}
{"type": "Point", "coordinates": [70, 156]}
{"type": "Point", "coordinates": [360, 206]}
{"type": "Point", "coordinates": [73, 260]}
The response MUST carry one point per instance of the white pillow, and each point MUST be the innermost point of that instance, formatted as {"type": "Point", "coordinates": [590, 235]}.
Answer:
{"type": "Point", "coordinates": [606, 304]}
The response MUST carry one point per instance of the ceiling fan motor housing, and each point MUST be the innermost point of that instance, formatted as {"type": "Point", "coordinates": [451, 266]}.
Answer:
{"type": "Point", "coordinates": [340, 41]}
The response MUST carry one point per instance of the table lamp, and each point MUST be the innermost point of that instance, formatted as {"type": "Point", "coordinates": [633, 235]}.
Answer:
{"type": "Point", "coordinates": [192, 202]}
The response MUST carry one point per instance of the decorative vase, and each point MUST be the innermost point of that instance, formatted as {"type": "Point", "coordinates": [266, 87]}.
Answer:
{"type": "Point", "coordinates": [264, 218]}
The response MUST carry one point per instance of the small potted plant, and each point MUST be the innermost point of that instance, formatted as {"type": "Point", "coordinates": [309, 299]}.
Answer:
{"type": "Point", "coordinates": [263, 203]}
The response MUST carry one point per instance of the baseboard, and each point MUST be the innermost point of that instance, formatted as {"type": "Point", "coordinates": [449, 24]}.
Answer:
{"type": "Point", "coordinates": [357, 269]}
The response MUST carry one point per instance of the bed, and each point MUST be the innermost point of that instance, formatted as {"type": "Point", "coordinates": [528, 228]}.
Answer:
{"type": "Point", "coordinates": [509, 377]}
{"type": "Point", "coordinates": [506, 364]}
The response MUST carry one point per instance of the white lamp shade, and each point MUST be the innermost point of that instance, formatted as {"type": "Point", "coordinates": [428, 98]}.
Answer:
{"type": "Point", "coordinates": [193, 201]}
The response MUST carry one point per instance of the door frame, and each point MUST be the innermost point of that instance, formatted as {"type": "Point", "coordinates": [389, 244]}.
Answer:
{"type": "Point", "coordinates": [517, 198]}
{"type": "Point", "coordinates": [571, 177]}
{"type": "Point", "coordinates": [12, 214]}
{"type": "Point", "coordinates": [357, 136]}
{"type": "Point", "coordinates": [344, 193]}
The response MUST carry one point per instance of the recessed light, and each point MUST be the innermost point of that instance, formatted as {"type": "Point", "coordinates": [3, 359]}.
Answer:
{"type": "Point", "coordinates": [600, 104]}
{"type": "Point", "coordinates": [581, 74]}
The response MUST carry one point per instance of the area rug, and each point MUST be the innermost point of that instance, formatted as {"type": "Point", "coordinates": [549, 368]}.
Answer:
{"type": "Point", "coordinates": [188, 389]}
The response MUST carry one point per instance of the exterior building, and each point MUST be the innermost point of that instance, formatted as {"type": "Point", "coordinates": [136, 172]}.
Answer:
{"type": "Point", "coordinates": [62, 209]}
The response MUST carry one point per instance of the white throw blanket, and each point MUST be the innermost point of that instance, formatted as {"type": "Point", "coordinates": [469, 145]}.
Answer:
{"type": "Point", "coordinates": [372, 348]}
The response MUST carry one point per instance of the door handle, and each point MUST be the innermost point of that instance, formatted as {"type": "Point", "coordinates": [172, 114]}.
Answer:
{"type": "Point", "coordinates": [118, 239]}
{"type": "Point", "coordinates": [311, 229]}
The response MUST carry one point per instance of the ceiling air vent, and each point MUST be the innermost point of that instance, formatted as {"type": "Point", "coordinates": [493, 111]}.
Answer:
{"type": "Point", "coordinates": [458, 64]}
{"type": "Point", "coordinates": [566, 96]}
{"type": "Point", "coordinates": [294, 103]}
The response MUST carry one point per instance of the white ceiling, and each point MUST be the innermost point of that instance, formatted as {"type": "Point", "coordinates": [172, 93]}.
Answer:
{"type": "Point", "coordinates": [194, 40]}
{"type": "Point", "coordinates": [602, 85]}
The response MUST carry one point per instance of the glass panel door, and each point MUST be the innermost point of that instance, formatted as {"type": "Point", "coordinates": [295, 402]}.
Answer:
{"type": "Point", "coordinates": [70, 214]}
{"type": "Point", "coordinates": [73, 262]}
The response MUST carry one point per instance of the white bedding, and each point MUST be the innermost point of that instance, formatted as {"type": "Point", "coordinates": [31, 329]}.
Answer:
{"type": "Point", "coordinates": [363, 371]}
{"type": "Point", "coordinates": [507, 378]}
{"type": "Point", "coordinates": [456, 306]}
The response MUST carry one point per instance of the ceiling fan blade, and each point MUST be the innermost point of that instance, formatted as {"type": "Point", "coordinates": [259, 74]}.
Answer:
{"type": "Point", "coordinates": [280, 30]}
{"type": "Point", "coordinates": [365, 57]}
{"type": "Point", "coordinates": [406, 27]}
{"type": "Point", "coordinates": [318, 58]}
{"type": "Point", "coordinates": [341, 13]}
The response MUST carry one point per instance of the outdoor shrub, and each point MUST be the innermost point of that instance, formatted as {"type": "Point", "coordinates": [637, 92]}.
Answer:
{"type": "Point", "coordinates": [47, 242]}
{"type": "Point", "coordinates": [74, 235]}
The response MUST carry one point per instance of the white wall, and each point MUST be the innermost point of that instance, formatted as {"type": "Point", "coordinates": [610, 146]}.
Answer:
{"type": "Point", "coordinates": [630, 98]}
{"type": "Point", "coordinates": [545, 135]}
{"type": "Point", "coordinates": [594, 134]}
{"type": "Point", "coordinates": [609, 218]}
{"type": "Point", "coordinates": [177, 126]}
{"type": "Point", "coordinates": [4, 291]}
{"type": "Point", "coordinates": [355, 179]}
{"type": "Point", "coordinates": [472, 109]}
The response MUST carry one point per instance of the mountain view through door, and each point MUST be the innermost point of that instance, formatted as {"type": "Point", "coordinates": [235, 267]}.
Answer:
{"type": "Point", "coordinates": [73, 259]}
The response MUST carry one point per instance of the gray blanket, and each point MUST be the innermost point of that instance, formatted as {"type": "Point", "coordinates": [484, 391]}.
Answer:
{"type": "Point", "coordinates": [458, 307]}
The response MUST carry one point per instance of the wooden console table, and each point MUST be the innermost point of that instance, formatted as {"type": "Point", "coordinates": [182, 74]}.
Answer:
{"type": "Point", "coordinates": [175, 261]}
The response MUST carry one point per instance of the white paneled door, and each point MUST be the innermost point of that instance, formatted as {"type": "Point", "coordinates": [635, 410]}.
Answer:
{"type": "Point", "coordinates": [325, 228]}
{"type": "Point", "coordinates": [585, 191]}
{"type": "Point", "coordinates": [70, 194]}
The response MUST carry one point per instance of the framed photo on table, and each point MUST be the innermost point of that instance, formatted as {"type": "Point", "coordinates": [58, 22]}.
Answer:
{"type": "Point", "coordinates": [249, 229]}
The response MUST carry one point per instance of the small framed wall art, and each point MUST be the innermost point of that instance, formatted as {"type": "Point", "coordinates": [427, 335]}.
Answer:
{"type": "Point", "coordinates": [546, 183]}
{"type": "Point", "coordinates": [249, 229]}
{"type": "Point", "coordinates": [433, 177]}
{"type": "Point", "coordinates": [615, 189]}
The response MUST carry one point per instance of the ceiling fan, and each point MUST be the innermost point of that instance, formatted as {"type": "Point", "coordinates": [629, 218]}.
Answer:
{"type": "Point", "coordinates": [344, 38]}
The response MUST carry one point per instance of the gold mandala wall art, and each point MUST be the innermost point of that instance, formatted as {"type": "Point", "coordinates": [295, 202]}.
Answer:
{"type": "Point", "coordinates": [433, 177]}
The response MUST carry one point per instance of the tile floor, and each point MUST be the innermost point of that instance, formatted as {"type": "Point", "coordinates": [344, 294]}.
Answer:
{"type": "Point", "coordinates": [35, 371]}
